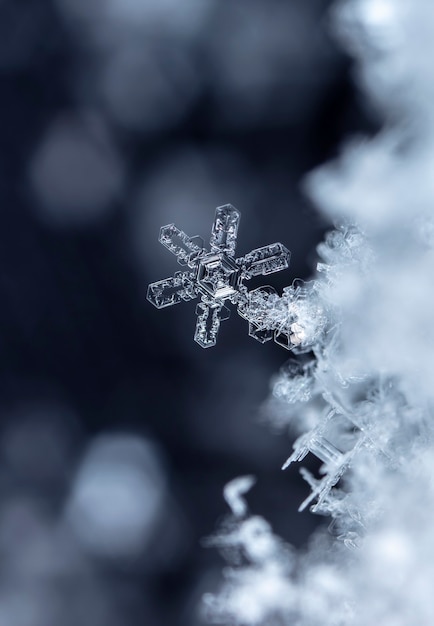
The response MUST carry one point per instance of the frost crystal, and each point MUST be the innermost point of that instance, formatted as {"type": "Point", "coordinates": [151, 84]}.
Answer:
{"type": "Point", "coordinates": [295, 382]}
{"type": "Point", "coordinates": [296, 320]}
{"type": "Point", "coordinates": [215, 276]}
{"type": "Point", "coordinates": [362, 400]}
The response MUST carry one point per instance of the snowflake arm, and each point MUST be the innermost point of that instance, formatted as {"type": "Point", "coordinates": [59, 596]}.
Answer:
{"type": "Point", "coordinates": [173, 290]}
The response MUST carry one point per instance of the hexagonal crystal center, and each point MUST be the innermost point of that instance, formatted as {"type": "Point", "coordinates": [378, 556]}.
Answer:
{"type": "Point", "coordinates": [217, 276]}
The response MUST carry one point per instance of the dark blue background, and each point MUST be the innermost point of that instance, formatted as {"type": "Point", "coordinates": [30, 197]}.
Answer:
{"type": "Point", "coordinates": [75, 328]}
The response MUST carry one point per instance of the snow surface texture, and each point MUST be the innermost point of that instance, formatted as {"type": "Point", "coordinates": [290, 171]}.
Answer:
{"type": "Point", "coordinates": [362, 401]}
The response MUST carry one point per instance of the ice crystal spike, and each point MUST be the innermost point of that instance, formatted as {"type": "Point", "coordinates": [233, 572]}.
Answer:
{"type": "Point", "coordinates": [172, 290]}
{"type": "Point", "coordinates": [225, 229]}
{"type": "Point", "coordinates": [216, 276]}
{"type": "Point", "coordinates": [185, 248]}
{"type": "Point", "coordinates": [208, 323]}
{"type": "Point", "coordinates": [266, 260]}
{"type": "Point", "coordinates": [334, 441]}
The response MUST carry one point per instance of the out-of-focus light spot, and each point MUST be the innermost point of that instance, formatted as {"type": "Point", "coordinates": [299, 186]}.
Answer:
{"type": "Point", "coordinates": [76, 172]}
{"type": "Point", "coordinates": [166, 15]}
{"type": "Point", "coordinates": [382, 21]}
{"type": "Point", "coordinates": [148, 89]}
{"type": "Point", "coordinates": [264, 59]}
{"type": "Point", "coordinates": [38, 444]}
{"type": "Point", "coordinates": [184, 17]}
{"type": "Point", "coordinates": [257, 60]}
{"type": "Point", "coordinates": [117, 497]}
{"type": "Point", "coordinates": [393, 549]}
{"type": "Point", "coordinates": [378, 12]}
{"type": "Point", "coordinates": [372, 24]}
{"type": "Point", "coordinates": [31, 542]}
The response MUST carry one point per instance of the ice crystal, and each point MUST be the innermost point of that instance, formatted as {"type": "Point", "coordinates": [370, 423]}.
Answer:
{"type": "Point", "coordinates": [294, 320]}
{"type": "Point", "coordinates": [295, 382]}
{"type": "Point", "coordinates": [216, 275]}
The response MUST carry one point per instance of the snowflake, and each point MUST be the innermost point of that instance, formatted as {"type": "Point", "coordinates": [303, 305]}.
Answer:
{"type": "Point", "coordinates": [216, 275]}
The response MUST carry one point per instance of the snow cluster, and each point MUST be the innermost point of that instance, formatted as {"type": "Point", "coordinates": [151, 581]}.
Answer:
{"type": "Point", "coordinates": [361, 400]}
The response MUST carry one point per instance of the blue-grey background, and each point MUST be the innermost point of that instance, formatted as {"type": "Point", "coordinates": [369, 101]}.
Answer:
{"type": "Point", "coordinates": [117, 431]}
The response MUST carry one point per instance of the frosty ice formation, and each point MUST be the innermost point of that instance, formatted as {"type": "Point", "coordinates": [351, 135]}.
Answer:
{"type": "Point", "coordinates": [215, 276]}
{"type": "Point", "coordinates": [335, 442]}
